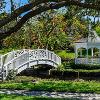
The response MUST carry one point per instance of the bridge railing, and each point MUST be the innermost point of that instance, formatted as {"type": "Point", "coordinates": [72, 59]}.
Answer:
{"type": "Point", "coordinates": [16, 59]}
{"type": "Point", "coordinates": [38, 54]}
{"type": "Point", "coordinates": [14, 63]}
{"type": "Point", "coordinates": [41, 54]}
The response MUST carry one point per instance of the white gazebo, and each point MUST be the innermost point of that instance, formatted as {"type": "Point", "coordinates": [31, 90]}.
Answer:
{"type": "Point", "coordinates": [87, 50]}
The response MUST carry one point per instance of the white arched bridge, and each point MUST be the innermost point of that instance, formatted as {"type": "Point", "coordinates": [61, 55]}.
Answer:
{"type": "Point", "coordinates": [19, 60]}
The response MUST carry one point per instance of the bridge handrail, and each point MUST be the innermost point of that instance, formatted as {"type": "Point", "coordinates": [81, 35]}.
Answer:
{"type": "Point", "coordinates": [29, 54]}
{"type": "Point", "coordinates": [13, 59]}
{"type": "Point", "coordinates": [21, 57]}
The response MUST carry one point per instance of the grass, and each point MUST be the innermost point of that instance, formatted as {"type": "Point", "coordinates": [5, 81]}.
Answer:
{"type": "Point", "coordinates": [16, 97]}
{"type": "Point", "coordinates": [55, 85]}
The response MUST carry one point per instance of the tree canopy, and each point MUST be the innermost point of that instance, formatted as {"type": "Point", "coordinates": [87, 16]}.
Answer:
{"type": "Point", "coordinates": [35, 7]}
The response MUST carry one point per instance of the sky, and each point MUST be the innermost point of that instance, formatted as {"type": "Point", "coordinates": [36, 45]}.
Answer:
{"type": "Point", "coordinates": [16, 1]}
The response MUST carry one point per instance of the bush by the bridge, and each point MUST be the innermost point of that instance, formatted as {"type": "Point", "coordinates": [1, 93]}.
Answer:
{"type": "Point", "coordinates": [65, 55]}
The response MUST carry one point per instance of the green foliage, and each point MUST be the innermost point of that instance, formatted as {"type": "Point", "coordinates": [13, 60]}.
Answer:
{"type": "Point", "coordinates": [48, 30]}
{"type": "Point", "coordinates": [84, 66]}
{"type": "Point", "coordinates": [4, 51]}
{"type": "Point", "coordinates": [19, 40]}
{"type": "Point", "coordinates": [65, 55]}
{"type": "Point", "coordinates": [98, 29]}
{"type": "Point", "coordinates": [40, 32]}
{"type": "Point", "coordinates": [80, 70]}
{"type": "Point", "coordinates": [76, 74]}
{"type": "Point", "coordinates": [11, 75]}
{"type": "Point", "coordinates": [61, 67]}
{"type": "Point", "coordinates": [76, 25]}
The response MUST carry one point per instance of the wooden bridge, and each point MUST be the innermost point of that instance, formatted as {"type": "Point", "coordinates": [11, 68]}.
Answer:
{"type": "Point", "coordinates": [19, 60]}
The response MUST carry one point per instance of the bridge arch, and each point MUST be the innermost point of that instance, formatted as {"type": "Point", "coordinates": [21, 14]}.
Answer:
{"type": "Point", "coordinates": [19, 60]}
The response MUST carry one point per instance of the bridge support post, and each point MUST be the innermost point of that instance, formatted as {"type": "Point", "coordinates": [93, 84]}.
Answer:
{"type": "Point", "coordinates": [49, 72]}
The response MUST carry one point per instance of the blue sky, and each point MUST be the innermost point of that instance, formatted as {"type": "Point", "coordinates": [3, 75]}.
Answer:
{"type": "Point", "coordinates": [16, 1]}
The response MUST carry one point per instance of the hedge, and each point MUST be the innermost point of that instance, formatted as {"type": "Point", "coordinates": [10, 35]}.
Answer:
{"type": "Point", "coordinates": [84, 66]}
{"type": "Point", "coordinates": [75, 74]}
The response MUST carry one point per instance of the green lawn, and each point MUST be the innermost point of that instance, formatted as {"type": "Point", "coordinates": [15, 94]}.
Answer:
{"type": "Point", "coordinates": [54, 85]}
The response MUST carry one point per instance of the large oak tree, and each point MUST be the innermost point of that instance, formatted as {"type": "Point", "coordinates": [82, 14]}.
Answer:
{"type": "Point", "coordinates": [38, 6]}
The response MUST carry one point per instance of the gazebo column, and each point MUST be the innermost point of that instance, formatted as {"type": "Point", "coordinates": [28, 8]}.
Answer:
{"type": "Point", "coordinates": [92, 52]}
{"type": "Point", "coordinates": [87, 55]}
{"type": "Point", "coordinates": [76, 55]}
{"type": "Point", "coordinates": [92, 55]}
{"type": "Point", "coordinates": [81, 52]}
{"type": "Point", "coordinates": [76, 51]}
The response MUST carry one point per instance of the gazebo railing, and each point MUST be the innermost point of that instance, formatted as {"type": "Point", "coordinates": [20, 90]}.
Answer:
{"type": "Point", "coordinates": [81, 61]}
{"type": "Point", "coordinates": [87, 60]}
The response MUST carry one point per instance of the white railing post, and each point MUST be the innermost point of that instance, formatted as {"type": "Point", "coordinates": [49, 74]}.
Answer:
{"type": "Point", "coordinates": [47, 53]}
{"type": "Point", "coordinates": [29, 58]}
{"type": "Point", "coordinates": [13, 61]}
{"type": "Point", "coordinates": [2, 70]}
{"type": "Point", "coordinates": [6, 67]}
{"type": "Point", "coordinates": [37, 56]}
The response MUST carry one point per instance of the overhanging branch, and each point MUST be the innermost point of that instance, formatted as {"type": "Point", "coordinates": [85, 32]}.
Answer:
{"type": "Point", "coordinates": [29, 6]}
{"type": "Point", "coordinates": [42, 9]}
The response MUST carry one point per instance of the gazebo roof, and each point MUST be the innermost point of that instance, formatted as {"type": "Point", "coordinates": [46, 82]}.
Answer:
{"type": "Point", "coordinates": [92, 38]}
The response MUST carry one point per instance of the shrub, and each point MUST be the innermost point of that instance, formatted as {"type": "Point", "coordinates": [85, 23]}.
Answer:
{"type": "Point", "coordinates": [73, 74]}
{"type": "Point", "coordinates": [11, 75]}
{"type": "Point", "coordinates": [65, 55]}
{"type": "Point", "coordinates": [61, 67]}
{"type": "Point", "coordinates": [84, 66]}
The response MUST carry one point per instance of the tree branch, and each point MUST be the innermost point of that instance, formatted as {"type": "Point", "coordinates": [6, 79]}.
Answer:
{"type": "Point", "coordinates": [42, 9]}
{"type": "Point", "coordinates": [29, 6]}
{"type": "Point", "coordinates": [20, 11]}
